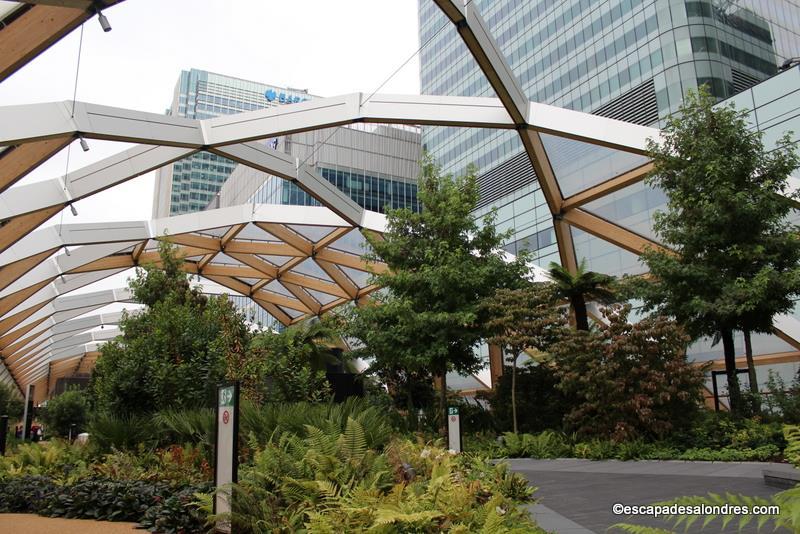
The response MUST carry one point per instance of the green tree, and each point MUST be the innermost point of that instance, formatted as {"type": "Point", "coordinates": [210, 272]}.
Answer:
{"type": "Point", "coordinates": [520, 319]}
{"type": "Point", "coordinates": [69, 408]}
{"type": "Point", "coordinates": [290, 366]}
{"type": "Point", "coordinates": [628, 380]}
{"type": "Point", "coordinates": [442, 264]}
{"type": "Point", "coordinates": [172, 353]}
{"type": "Point", "coordinates": [734, 258]}
{"type": "Point", "coordinates": [11, 404]}
{"type": "Point", "coordinates": [577, 288]}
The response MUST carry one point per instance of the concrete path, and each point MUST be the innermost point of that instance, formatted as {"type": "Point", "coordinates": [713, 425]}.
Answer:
{"type": "Point", "coordinates": [34, 524]}
{"type": "Point", "coordinates": [577, 496]}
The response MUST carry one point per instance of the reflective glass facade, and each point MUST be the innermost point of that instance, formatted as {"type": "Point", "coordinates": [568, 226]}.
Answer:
{"type": "Point", "coordinates": [189, 184]}
{"type": "Point", "coordinates": [619, 58]}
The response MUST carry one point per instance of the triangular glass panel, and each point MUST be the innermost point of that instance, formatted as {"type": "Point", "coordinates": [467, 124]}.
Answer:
{"type": "Point", "coordinates": [604, 257]}
{"type": "Point", "coordinates": [275, 260]}
{"type": "Point", "coordinates": [223, 258]}
{"type": "Point", "coordinates": [214, 232]}
{"type": "Point", "coordinates": [352, 242]}
{"type": "Point", "coordinates": [322, 298]}
{"type": "Point", "coordinates": [312, 233]}
{"type": "Point", "coordinates": [632, 208]}
{"type": "Point", "coordinates": [310, 268]}
{"type": "Point", "coordinates": [251, 232]}
{"type": "Point", "coordinates": [294, 314]}
{"type": "Point", "coordinates": [359, 278]}
{"type": "Point", "coordinates": [277, 287]}
{"type": "Point", "coordinates": [702, 351]}
{"type": "Point", "coordinates": [578, 165]}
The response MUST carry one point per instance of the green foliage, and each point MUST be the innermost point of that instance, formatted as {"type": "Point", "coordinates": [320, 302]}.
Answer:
{"type": "Point", "coordinates": [547, 444]}
{"type": "Point", "coordinates": [194, 426]}
{"type": "Point", "coordinates": [332, 482]}
{"type": "Point", "coordinates": [157, 506]}
{"type": "Point", "coordinates": [628, 380]}
{"type": "Point", "coordinates": [792, 452]}
{"type": "Point", "coordinates": [582, 286]}
{"type": "Point", "coordinates": [442, 263]}
{"type": "Point", "coordinates": [11, 403]}
{"type": "Point", "coordinates": [171, 354]}
{"type": "Point", "coordinates": [520, 319]}
{"type": "Point", "coordinates": [735, 259]}
{"type": "Point", "coordinates": [783, 400]}
{"type": "Point", "coordinates": [718, 430]}
{"type": "Point", "coordinates": [541, 405]}
{"type": "Point", "coordinates": [56, 459]}
{"type": "Point", "coordinates": [69, 408]}
{"type": "Point", "coordinates": [289, 366]}
{"type": "Point", "coordinates": [124, 432]}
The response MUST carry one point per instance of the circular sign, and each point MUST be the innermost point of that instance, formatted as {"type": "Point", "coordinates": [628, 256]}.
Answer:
{"type": "Point", "coordinates": [453, 418]}
{"type": "Point", "coordinates": [226, 417]}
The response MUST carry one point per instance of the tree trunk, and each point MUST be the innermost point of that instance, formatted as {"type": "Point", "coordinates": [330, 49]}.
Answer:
{"type": "Point", "coordinates": [735, 395]}
{"type": "Point", "coordinates": [443, 403]}
{"type": "Point", "coordinates": [751, 372]}
{"type": "Point", "coordinates": [581, 316]}
{"type": "Point", "coordinates": [514, 391]}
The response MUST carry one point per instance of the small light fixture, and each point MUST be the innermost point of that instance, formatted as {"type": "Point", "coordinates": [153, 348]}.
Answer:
{"type": "Point", "coordinates": [103, 21]}
{"type": "Point", "coordinates": [66, 251]}
{"type": "Point", "coordinates": [74, 210]}
{"type": "Point", "coordinates": [84, 144]}
{"type": "Point", "coordinates": [63, 280]}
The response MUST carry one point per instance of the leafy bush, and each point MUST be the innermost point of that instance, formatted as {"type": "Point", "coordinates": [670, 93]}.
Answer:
{"type": "Point", "coordinates": [126, 432]}
{"type": "Point", "coordinates": [628, 380]}
{"type": "Point", "coordinates": [540, 404]}
{"type": "Point", "coordinates": [715, 430]}
{"type": "Point", "coordinates": [158, 506]}
{"type": "Point", "coordinates": [173, 352]}
{"type": "Point", "coordinates": [69, 408]}
{"type": "Point", "coordinates": [11, 403]}
{"type": "Point", "coordinates": [783, 400]}
{"type": "Point", "coordinates": [547, 444]}
{"type": "Point", "coordinates": [57, 459]}
{"type": "Point", "coordinates": [332, 482]}
{"type": "Point", "coordinates": [21, 494]}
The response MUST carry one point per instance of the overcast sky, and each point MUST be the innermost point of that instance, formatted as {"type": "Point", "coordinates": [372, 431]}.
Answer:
{"type": "Point", "coordinates": [327, 47]}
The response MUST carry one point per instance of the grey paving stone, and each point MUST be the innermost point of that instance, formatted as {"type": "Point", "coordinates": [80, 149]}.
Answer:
{"type": "Point", "coordinates": [586, 497]}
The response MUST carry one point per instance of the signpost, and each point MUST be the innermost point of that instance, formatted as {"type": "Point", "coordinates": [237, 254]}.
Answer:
{"type": "Point", "coordinates": [226, 450]}
{"type": "Point", "coordinates": [453, 429]}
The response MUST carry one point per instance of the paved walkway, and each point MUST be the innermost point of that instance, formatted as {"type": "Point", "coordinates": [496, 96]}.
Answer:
{"type": "Point", "coordinates": [576, 496]}
{"type": "Point", "coordinates": [34, 524]}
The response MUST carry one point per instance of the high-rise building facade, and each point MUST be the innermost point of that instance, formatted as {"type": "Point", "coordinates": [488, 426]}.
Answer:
{"type": "Point", "coordinates": [190, 184]}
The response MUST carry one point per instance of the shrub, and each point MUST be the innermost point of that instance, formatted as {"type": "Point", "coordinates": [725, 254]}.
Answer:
{"type": "Point", "coordinates": [540, 404]}
{"type": "Point", "coordinates": [629, 380]}
{"type": "Point", "coordinates": [69, 408]}
{"type": "Point", "coordinates": [547, 444]}
{"type": "Point", "coordinates": [11, 404]}
{"type": "Point", "coordinates": [108, 432]}
{"type": "Point", "coordinates": [158, 506]}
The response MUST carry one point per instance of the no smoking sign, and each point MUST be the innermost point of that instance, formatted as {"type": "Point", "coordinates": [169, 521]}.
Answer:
{"type": "Point", "coordinates": [226, 416]}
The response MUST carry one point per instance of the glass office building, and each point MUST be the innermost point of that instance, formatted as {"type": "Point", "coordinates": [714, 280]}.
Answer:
{"type": "Point", "coordinates": [190, 184]}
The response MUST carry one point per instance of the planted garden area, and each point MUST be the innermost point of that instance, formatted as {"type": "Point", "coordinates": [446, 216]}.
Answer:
{"type": "Point", "coordinates": [606, 383]}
